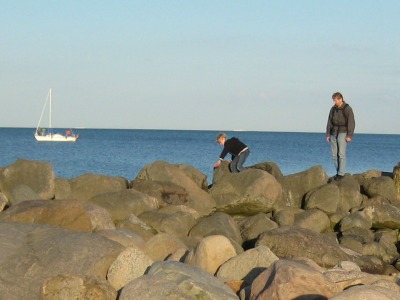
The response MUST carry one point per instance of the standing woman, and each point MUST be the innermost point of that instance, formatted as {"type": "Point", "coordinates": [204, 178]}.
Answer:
{"type": "Point", "coordinates": [339, 132]}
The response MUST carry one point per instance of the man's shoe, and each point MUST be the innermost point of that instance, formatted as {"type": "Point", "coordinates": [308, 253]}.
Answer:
{"type": "Point", "coordinates": [339, 177]}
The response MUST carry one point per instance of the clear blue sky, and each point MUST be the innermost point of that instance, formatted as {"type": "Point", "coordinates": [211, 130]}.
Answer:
{"type": "Point", "coordinates": [218, 65]}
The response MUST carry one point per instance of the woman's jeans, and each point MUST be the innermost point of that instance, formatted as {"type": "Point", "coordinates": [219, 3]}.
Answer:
{"type": "Point", "coordinates": [338, 147]}
{"type": "Point", "coordinates": [238, 161]}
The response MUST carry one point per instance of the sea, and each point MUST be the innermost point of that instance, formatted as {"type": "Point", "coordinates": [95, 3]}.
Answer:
{"type": "Point", "coordinates": [124, 152]}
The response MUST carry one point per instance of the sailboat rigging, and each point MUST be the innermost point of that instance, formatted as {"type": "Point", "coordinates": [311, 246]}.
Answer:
{"type": "Point", "coordinates": [43, 134]}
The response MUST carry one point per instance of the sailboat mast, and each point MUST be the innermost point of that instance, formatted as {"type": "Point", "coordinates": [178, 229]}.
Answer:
{"type": "Point", "coordinates": [50, 110]}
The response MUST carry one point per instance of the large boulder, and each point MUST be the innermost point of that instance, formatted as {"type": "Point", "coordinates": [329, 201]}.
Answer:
{"type": "Point", "coordinates": [383, 216]}
{"type": "Point", "coordinates": [65, 287]}
{"type": "Point", "coordinates": [251, 227]}
{"type": "Point", "coordinates": [270, 167]}
{"type": "Point", "coordinates": [364, 292]}
{"type": "Point", "coordinates": [199, 178]}
{"type": "Point", "coordinates": [196, 197]}
{"type": "Point", "coordinates": [175, 280]}
{"type": "Point", "coordinates": [325, 197]}
{"type": "Point", "coordinates": [247, 192]}
{"type": "Point", "coordinates": [210, 253]}
{"type": "Point", "coordinates": [130, 264]}
{"type": "Point", "coordinates": [247, 265]}
{"type": "Point", "coordinates": [287, 279]}
{"type": "Point", "coordinates": [32, 253]}
{"type": "Point", "coordinates": [293, 242]}
{"type": "Point", "coordinates": [217, 224]}
{"type": "Point", "coordinates": [87, 186]}
{"type": "Point", "coordinates": [383, 186]}
{"type": "Point", "coordinates": [312, 219]}
{"type": "Point", "coordinates": [123, 203]}
{"type": "Point", "coordinates": [27, 180]}
{"type": "Point", "coordinates": [173, 219]}
{"type": "Point", "coordinates": [295, 186]}
{"type": "Point", "coordinates": [162, 245]}
{"type": "Point", "coordinates": [350, 196]}
{"type": "Point", "coordinates": [70, 214]}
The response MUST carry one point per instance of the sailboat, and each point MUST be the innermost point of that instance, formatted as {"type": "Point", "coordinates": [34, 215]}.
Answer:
{"type": "Point", "coordinates": [43, 134]}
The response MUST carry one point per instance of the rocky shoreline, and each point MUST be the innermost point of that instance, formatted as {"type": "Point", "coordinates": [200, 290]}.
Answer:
{"type": "Point", "coordinates": [168, 234]}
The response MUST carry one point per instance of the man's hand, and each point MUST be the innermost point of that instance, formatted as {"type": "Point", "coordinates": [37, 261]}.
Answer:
{"type": "Point", "coordinates": [217, 164]}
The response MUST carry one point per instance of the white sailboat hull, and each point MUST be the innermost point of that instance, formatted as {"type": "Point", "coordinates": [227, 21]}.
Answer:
{"type": "Point", "coordinates": [46, 134]}
{"type": "Point", "coordinates": [55, 138]}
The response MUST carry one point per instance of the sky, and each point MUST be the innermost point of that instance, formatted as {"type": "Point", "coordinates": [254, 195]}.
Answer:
{"type": "Point", "coordinates": [200, 65]}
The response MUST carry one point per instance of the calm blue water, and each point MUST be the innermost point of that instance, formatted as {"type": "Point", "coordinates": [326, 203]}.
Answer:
{"type": "Point", "coordinates": [125, 152]}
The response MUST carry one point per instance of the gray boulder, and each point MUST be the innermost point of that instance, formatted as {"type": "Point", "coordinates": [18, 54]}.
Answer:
{"type": "Point", "coordinates": [87, 186]}
{"type": "Point", "coordinates": [217, 224]}
{"type": "Point", "coordinates": [162, 245]}
{"type": "Point", "coordinates": [312, 219]}
{"type": "Point", "coordinates": [364, 292]}
{"type": "Point", "coordinates": [32, 253]}
{"type": "Point", "coordinates": [123, 203]}
{"type": "Point", "coordinates": [383, 216]}
{"type": "Point", "coordinates": [62, 189]}
{"type": "Point", "coordinates": [357, 219]}
{"type": "Point", "coordinates": [199, 178]}
{"type": "Point", "coordinates": [286, 279]}
{"type": "Point", "coordinates": [380, 186]}
{"type": "Point", "coordinates": [270, 167]}
{"type": "Point", "coordinates": [66, 287]}
{"type": "Point", "coordinates": [246, 193]}
{"type": "Point", "coordinates": [251, 227]}
{"type": "Point", "coordinates": [161, 171]}
{"type": "Point", "coordinates": [350, 196]}
{"type": "Point", "coordinates": [175, 280]}
{"type": "Point", "coordinates": [247, 265]}
{"type": "Point", "coordinates": [26, 179]}
{"type": "Point", "coordinates": [296, 186]}
{"type": "Point", "coordinates": [70, 214]}
{"type": "Point", "coordinates": [325, 198]}
{"type": "Point", "coordinates": [172, 219]}
{"type": "Point", "coordinates": [287, 215]}
{"type": "Point", "coordinates": [210, 253]}
{"type": "Point", "coordinates": [292, 242]}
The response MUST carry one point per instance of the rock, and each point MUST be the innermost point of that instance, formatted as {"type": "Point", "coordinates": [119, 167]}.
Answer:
{"type": "Point", "coordinates": [165, 192]}
{"type": "Point", "coordinates": [172, 219]}
{"type": "Point", "coordinates": [325, 198]}
{"type": "Point", "coordinates": [174, 280]}
{"type": "Point", "coordinates": [87, 186]}
{"type": "Point", "coordinates": [287, 215]}
{"type": "Point", "coordinates": [70, 214]}
{"type": "Point", "coordinates": [287, 279]}
{"type": "Point", "coordinates": [396, 179]}
{"type": "Point", "coordinates": [292, 242]}
{"type": "Point", "coordinates": [355, 219]}
{"type": "Point", "coordinates": [366, 292]}
{"type": "Point", "coordinates": [124, 237]}
{"type": "Point", "coordinates": [246, 193]}
{"type": "Point", "coordinates": [251, 227]}
{"type": "Point", "coordinates": [210, 253]}
{"type": "Point", "coordinates": [123, 203]}
{"type": "Point", "coordinates": [137, 226]}
{"type": "Point", "coordinates": [247, 266]}
{"type": "Point", "coordinates": [270, 167]}
{"type": "Point", "coordinates": [350, 196]}
{"type": "Point", "coordinates": [161, 171]}
{"type": "Point", "coordinates": [380, 186]}
{"type": "Point", "coordinates": [295, 186]}
{"type": "Point", "coordinates": [199, 178]}
{"type": "Point", "coordinates": [3, 202]}
{"type": "Point", "coordinates": [26, 179]}
{"type": "Point", "coordinates": [312, 219]}
{"type": "Point", "coordinates": [32, 253]}
{"type": "Point", "coordinates": [130, 264]}
{"type": "Point", "coordinates": [66, 287]}
{"type": "Point", "coordinates": [62, 189]}
{"type": "Point", "coordinates": [383, 216]}
{"type": "Point", "coordinates": [161, 245]}
{"type": "Point", "coordinates": [217, 224]}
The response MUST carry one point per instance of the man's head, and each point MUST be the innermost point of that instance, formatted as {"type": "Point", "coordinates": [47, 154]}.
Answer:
{"type": "Point", "coordinates": [338, 98]}
{"type": "Point", "coordinates": [221, 138]}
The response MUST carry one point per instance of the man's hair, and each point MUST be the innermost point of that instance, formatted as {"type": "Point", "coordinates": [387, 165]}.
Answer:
{"type": "Point", "coordinates": [220, 136]}
{"type": "Point", "coordinates": [337, 95]}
